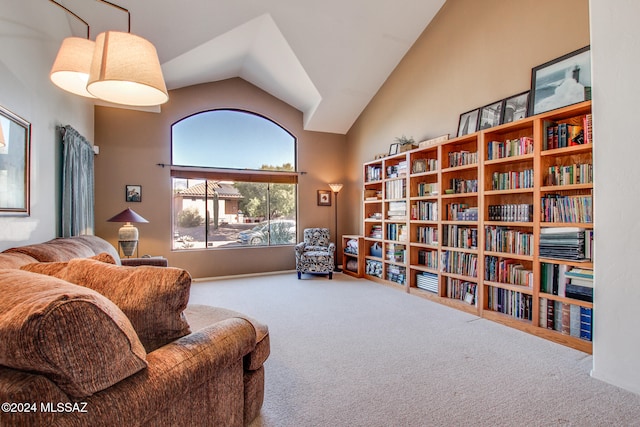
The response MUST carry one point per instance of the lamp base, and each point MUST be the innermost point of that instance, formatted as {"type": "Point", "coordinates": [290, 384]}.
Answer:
{"type": "Point", "coordinates": [128, 247]}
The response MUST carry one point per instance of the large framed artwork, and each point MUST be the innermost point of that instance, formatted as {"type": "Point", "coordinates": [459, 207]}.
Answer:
{"type": "Point", "coordinates": [15, 141]}
{"type": "Point", "coordinates": [561, 82]}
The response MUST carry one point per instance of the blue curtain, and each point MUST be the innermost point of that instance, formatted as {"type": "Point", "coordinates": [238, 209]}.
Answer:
{"type": "Point", "coordinates": [77, 184]}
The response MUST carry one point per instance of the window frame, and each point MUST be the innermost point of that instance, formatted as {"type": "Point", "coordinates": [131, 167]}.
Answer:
{"type": "Point", "coordinates": [234, 174]}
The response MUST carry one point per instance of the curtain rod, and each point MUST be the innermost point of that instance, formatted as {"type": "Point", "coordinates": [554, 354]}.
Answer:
{"type": "Point", "coordinates": [214, 169]}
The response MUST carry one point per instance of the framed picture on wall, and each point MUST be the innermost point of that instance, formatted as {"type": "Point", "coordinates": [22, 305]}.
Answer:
{"type": "Point", "coordinates": [133, 193]}
{"type": "Point", "coordinates": [515, 107]}
{"type": "Point", "coordinates": [324, 198]}
{"type": "Point", "coordinates": [490, 115]}
{"type": "Point", "coordinates": [561, 82]}
{"type": "Point", "coordinates": [468, 122]}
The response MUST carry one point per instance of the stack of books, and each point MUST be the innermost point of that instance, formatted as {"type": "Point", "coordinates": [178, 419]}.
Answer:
{"type": "Point", "coordinates": [563, 243]}
{"type": "Point", "coordinates": [427, 281]}
{"type": "Point", "coordinates": [580, 284]}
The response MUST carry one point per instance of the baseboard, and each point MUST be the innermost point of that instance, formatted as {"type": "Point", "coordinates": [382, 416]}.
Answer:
{"type": "Point", "coordinates": [239, 276]}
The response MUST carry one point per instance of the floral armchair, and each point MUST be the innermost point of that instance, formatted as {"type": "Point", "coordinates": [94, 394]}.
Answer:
{"type": "Point", "coordinates": [316, 253]}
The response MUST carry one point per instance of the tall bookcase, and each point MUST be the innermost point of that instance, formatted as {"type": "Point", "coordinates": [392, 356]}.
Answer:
{"type": "Point", "coordinates": [494, 223]}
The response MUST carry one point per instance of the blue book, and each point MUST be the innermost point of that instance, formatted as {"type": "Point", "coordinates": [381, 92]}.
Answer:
{"type": "Point", "coordinates": [586, 323]}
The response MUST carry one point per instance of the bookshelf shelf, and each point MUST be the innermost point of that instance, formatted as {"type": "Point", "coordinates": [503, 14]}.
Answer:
{"type": "Point", "coordinates": [463, 197]}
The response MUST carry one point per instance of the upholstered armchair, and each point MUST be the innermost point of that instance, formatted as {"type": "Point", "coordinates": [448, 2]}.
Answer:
{"type": "Point", "coordinates": [315, 254]}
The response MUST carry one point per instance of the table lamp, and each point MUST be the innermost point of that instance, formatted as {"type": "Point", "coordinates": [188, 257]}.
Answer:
{"type": "Point", "coordinates": [128, 233]}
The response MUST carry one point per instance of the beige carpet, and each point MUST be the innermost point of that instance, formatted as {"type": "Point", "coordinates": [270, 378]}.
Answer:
{"type": "Point", "coordinates": [348, 352]}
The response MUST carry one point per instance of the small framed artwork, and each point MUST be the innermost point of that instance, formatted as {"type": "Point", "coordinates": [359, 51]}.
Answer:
{"type": "Point", "coordinates": [394, 149]}
{"type": "Point", "coordinates": [490, 115]}
{"type": "Point", "coordinates": [561, 82]}
{"type": "Point", "coordinates": [324, 198]}
{"type": "Point", "coordinates": [515, 107]}
{"type": "Point", "coordinates": [468, 122]}
{"type": "Point", "coordinates": [133, 193]}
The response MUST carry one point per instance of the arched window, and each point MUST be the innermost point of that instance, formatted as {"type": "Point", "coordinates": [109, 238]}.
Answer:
{"type": "Point", "coordinates": [234, 181]}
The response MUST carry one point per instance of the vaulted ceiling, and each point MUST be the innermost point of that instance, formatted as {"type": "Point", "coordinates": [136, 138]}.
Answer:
{"type": "Point", "coordinates": [327, 59]}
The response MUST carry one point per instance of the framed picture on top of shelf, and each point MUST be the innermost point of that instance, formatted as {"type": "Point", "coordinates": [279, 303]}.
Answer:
{"type": "Point", "coordinates": [561, 82]}
{"type": "Point", "coordinates": [394, 148]}
{"type": "Point", "coordinates": [515, 108]}
{"type": "Point", "coordinates": [324, 198]}
{"type": "Point", "coordinates": [490, 115]}
{"type": "Point", "coordinates": [468, 122]}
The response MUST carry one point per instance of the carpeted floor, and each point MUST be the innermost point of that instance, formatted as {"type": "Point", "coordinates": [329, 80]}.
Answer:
{"type": "Point", "coordinates": [349, 352]}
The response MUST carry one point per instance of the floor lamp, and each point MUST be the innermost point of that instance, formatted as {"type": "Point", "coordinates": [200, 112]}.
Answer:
{"type": "Point", "coordinates": [336, 188]}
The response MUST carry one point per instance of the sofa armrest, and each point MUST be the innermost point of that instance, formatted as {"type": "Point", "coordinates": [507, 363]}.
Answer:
{"type": "Point", "coordinates": [212, 356]}
{"type": "Point", "coordinates": [153, 261]}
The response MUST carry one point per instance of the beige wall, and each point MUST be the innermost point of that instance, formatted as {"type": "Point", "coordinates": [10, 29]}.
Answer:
{"type": "Point", "coordinates": [472, 54]}
{"type": "Point", "coordinates": [132, 143]}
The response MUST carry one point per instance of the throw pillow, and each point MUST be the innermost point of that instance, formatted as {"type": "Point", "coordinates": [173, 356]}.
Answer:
{"type": "Point", "coordinates": [59, 269]}
{"type": "Point", "coordinates": [73, 335]}
{"type": "Point", "coordinates": [153, 298]}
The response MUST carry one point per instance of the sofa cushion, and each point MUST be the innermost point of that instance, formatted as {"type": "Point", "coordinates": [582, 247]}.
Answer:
{"type": "Point", "coordinates": [153, 298]}
{"type": "Point", "coordinates": [15, 259]}
{"type": "Point", "coordinates": [55, 250]}
{"type": "Point", "coordinates": [75, 336]}
{"type": "Point", "coordinates": [59, 269]}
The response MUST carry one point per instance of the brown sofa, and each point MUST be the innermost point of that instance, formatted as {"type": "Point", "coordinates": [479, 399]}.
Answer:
{"type": "Point", "coordinates": [85, 340]}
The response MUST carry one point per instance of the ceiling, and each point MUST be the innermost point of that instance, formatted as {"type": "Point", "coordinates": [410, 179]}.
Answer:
{"type": "Point", "coordinates": [326, 59]}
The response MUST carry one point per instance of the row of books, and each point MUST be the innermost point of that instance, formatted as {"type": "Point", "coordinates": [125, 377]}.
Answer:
{"type": "Point", "coordinates": [427, 189]}
{"type": "Point", "coordinates": [427, 281]}
{"type": "Point", "coordinates": [461, 212]}
{"type": "Point", "coordinates": [397, 232]}
{"type": "Point", "coordinates": [461, 263]}
{"type": "Point", "coordinates": [394, 171]}
{"type": "Point", "coordinates": [462, 290]}
{"type": "Point", "coordinates": [503, 239]}
{"type": "Point", "coordinates": [512, 303]}
{"type": "Point", "coordinates": [459, 236]}
{"type": "Point", "coordinates": [569, 319]}
{"type": "Point", "coordinates": [462, 186]}
{"type": "Point", "coordinates": [566, 281]}
{"type": "Point", "coordinates": [462, 158]}
{"type": "Point", "coordinates": [511, 213]}
{"type": "Point", "coordinates": [424, 165]}
{"type": "Point", "coordinates": [512, 180]}
{"type": "Point", "coordinates": [428, 258]}
{"type": "Point", "coordinates": [506, 270]}
{"type": "Point", "coordinates": [374, 173]}
{"type": "Point", "coordinates": [427, 235]}
{"type": "Point", "coordinates": [579, 173]}
{"type": "Point", "coordinates": [509, 148]}
{"type": "Point", "coordinates": [558, 208]}
{"type": "Point", "coordinates": [395, 189]}
{"type": "Point", "coordinates": [563, 135]}
{"type": "Point", "coordinates": [424, 211]}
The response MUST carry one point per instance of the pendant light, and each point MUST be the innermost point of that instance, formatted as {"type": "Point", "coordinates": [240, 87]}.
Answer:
{"type": "Point", "coordinates": [125, 70]}
{"type": "Point", "coordinates": [70, 70]}
{"type": "Point", "coordinates": [118, 67]}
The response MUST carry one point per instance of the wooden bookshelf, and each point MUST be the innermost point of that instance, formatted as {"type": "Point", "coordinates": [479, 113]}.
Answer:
{"type": "Point", "coordinates": [470, 231]}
